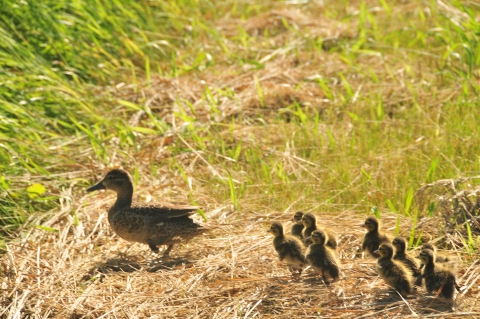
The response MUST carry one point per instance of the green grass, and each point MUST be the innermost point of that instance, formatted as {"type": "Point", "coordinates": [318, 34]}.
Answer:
{"type": "Point", "coordinates": [399, 104]}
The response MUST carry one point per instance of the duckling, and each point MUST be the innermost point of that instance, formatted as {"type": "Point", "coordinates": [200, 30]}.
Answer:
{"type": "Point", "coordinates": [297, 226]}
{"type": "Point", "coordinates": [321, 257]}
{"type": "Point", "coordinates": [437, 280]}
{"type": "Point", "coordinates": [289, 248]}
{"type": "Point", "coordinates": [151, 225]}
{"type": "Point", "coordinates": [439, 258]}
{"type": "Point", "coordinates": [393, 272]}
{"type": "Point", "coordinates": [374, 237]}
{"type": "Point", "coordinates": [402, 255]}
{"type": "Point", "coordinates": [310, 222]}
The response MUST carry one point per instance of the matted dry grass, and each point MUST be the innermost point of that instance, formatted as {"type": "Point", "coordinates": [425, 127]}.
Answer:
{"type": "Point", "coordinates": [85, 271]}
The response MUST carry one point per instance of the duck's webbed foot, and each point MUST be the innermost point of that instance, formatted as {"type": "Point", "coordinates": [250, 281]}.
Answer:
{"type": "Point", "coordinates": [167, 251]}
{"type": "Point", "coordinates": [153, 247]}
{"type": "Point", "coordinates": [325, 278]}
{"type": "Point", "coordinates": [295, 271]}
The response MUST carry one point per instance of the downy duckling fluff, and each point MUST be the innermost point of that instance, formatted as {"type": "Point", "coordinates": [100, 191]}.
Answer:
{"type": "Point", "coordinates": [446, 261]}
{"type": "Point", "coordinates": [404, 257]}
{"type": "Point", "coordinates": [151, 225]}
{"type": "Point", "coordinates": [297, 226]}
{"type": "Point", "coordinates": [437, 280]}
{"type": "Point", "coordinates": [323, 258]}
{"type": "Point", "coordinates": [393, 272]}
{"type": "Point", "coordinates": [310, 222]}
{"type": "Point", "coordinates": [374, 237]}
{"type": "Point", "coordinates": [288, 248]}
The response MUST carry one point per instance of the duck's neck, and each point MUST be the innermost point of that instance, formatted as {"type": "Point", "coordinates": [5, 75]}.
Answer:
{"type": "Point", "coordinates": [384, 258]}
{"type": "Point", "coordinates": [278, 238]}
{"type": "Point", "coordinates": [399, 254]}
{"type": "Point", "coordinates": [430, 267]}
{"type": "Point", "coordinates": [124, 198]}
{"type": "Point", "coordinates": [373, 232]}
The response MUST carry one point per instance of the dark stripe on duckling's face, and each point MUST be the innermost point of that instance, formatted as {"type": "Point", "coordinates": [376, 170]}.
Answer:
{"type": "Point", "coordinates": [308, 220]}
{"type": "Point", "coordinates": [276, 229]}
{"type": "Point", "coordinates": [371, 224]}
{"type": "Point", "coordinates": [426, 256]}
{"type": "Point", "coordinates": [298, 217]}
{"type": "Point", "coordinates": [400, 244]}
{"type": "Point", "coordinates": [318, 237]}
{"type": "Point", "coordinates": [429, 246]}
{"type": "Point", "coordinates": [385, 250]}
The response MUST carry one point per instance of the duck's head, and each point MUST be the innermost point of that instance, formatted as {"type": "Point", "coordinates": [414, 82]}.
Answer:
{"type": "Point", "coordinates": [371, 224]}
{"type": "Point", "coordinates": [430, 246]}
{"type": "Point", "coordinates": [117, 180]}
{"type": "Point", "coordinates": [426, 256]}
{"type": "Point", "coordinates": [309, 220]}
{"type": "Point", "coordinates": [276, 229]}
{"type": "Point", "coordinates": [297, 218]}
{"type": "Point", "coordinates": [319, 237]}
{"type": "Point", "coordinates": [400, 244]}
{"type": "Point", "coordinates": [385, 250]}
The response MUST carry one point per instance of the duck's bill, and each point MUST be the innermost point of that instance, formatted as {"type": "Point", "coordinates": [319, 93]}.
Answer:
{"type": "Point", "coordinates": [376, 252]}
{"type": "Point", "coordinates": [362, 225]}
{"type": "Point", "coordinates": [96, 187]}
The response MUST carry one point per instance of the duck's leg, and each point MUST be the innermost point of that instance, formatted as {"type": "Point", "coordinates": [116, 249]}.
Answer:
{"type": "Point", "coordinates": [153, 247]}
{"type": "Point", "coordinates": [324, 278]}
{"type": "Point", "coordinates": [167, 251]}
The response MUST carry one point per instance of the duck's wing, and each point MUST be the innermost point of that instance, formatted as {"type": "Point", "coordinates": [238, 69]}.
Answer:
{"type": "Point", "coordinates": [157, 214]}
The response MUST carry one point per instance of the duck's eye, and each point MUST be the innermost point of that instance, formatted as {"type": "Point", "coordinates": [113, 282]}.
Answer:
{"type": "Point", "coordinates": [110, 178]}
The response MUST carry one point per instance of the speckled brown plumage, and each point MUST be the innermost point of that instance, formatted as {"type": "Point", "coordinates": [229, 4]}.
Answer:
{"type": "Point", "coordinates": [309, 221]}
{"type": "Point", "coordinates": [404, 257]}
{"type": "Point", "coordinates": [321, 257]}
{"type": "Point", "coordinates": [374, 237]}
{"type": "Point", "coordinates": [437, 279]}
{"type": "Point", "coordinates": [288, 248]}
{"type": "Point", "coordinates": [151, 225]}
{"type": "Point", "coordinates": [393, 272]}
{"type": "Point", "coordinates": [297, 226]}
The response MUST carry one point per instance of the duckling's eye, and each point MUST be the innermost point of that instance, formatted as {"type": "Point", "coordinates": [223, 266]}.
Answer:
{"type": "Point", "coordinates": [110, 178]}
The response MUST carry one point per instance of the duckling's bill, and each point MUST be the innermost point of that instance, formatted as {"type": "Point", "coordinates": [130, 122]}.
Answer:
{"type": "Point", "coordinates": [97, 187]}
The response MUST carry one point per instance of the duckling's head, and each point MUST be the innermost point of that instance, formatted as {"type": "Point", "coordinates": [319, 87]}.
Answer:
{"type": "Point", "coordinates": [309, 220]}
{"type": "Point", "coordinates": [430, 246]}
{"type": "Point", "coordinates": [372, 224]}
{"type": "Point", "coordinates": [385, 250]}
{"type": "Point", "coordinates": [400, 244]}
{"type": "Point", "coordinates": [319, 237]}
{"type": "Point", "coordinates": [427, 256]}
{"type": "Point", "coordinates": [117, 180]}
{"type": "Point", "coordinates": [297, 218]}
{"type": "Point", "coordinates": [276, 229]}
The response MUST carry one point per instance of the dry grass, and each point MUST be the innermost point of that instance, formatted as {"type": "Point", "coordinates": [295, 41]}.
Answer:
{"type": "Point", "coordinates": [85, 271]}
